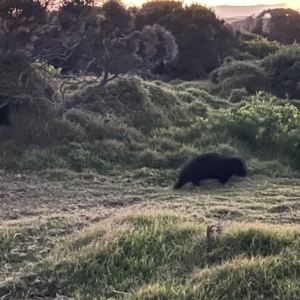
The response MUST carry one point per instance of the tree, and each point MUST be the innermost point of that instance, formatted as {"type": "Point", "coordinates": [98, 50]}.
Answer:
{"type": "Point", "coordinates": [203, 40]}
{"type": "Point", "coordinates": [18, 20]}
{"type": "Point", "coordinates": [284, 25]}
{"type": "Point", "coordinates": [102, 41]}
{"type": "Point", "coordinates": [19, 81]}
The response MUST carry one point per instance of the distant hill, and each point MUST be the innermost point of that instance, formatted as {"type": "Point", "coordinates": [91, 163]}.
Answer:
{"type": "Point", "coordinates": [248, 24]}
{"type": "Point", "coordinates": [242, 18]}
{"type": "Point", "coordinates": [234, 13]}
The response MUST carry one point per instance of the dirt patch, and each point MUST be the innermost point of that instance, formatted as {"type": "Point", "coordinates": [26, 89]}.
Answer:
{"type": "Point", "coordinates": [28, 195]}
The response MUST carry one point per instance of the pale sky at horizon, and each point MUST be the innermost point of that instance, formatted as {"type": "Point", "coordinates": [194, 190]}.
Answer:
{"type": "Point", "coordinates": [294, 4]}
{"type": "Point", "coordinates": [289, 3]}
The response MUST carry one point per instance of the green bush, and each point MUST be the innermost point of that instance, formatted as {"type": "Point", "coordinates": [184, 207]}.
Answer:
{"type": "Point", "coordinates": [240, 74]}
{"type": "Point", "coordinates": [283, 70]}
{"type": "Point", "coordinates": [237, 95]}
{"type": "Point", "coordinates": [260, 47]}
{"type": "Point", "coordinates": [264, 125]}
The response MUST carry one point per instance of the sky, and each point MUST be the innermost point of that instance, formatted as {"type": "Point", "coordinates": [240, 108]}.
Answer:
{"type": "Point", "coordinates": [295, 4]}
{"type": "Point", "coordinates": [290, 3]}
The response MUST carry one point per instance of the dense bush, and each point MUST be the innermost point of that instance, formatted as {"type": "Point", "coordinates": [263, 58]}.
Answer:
{"type": "Point", "coordinates": [203, 39]}
{"type": "Point", "coordinates": [278, 72]}
{"type": "Point", "coordinates": [237, 95]}
{"type": "Point", "coordinates": [240, 74]}
{"type": "Point", "coordinates": [283, 69]}
{"type": "Point", "coordinates": [265, 126]}
{"type": "Point", "coordinates": [260, 47]}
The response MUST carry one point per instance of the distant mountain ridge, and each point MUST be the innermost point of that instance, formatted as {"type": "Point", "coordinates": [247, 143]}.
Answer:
{"type": "Point", "coordinates": [234, 13]}
{"type": "Point", "coordinates": [243, 18]}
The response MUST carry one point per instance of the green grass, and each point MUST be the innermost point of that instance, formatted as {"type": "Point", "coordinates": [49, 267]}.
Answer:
{"type": "Point", "coordinates": [95, 217]}
{"type": "Point", "coordinates": [115, 237]}
{"type": "Point", "coordinates": [25, 242]}
{"type": "Point", "coordinates": [164, 255]}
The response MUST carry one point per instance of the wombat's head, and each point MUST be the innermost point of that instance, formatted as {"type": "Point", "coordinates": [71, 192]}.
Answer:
{"type": "Point", "coordinates": [184, 176]}
{"type": "Point", "coordinates": [180, 183]}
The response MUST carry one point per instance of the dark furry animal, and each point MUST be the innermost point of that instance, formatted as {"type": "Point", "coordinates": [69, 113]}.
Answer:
{"type": "Point", "coordinates": [211, 166]}
{"type": "Point", "coordinates": [4, 116]}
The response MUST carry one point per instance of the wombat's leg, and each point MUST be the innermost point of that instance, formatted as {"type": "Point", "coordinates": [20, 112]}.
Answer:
{"type": "Point", "coordinates": [196, 182]}
{"type": "Point", "coordinates": [224, 179]}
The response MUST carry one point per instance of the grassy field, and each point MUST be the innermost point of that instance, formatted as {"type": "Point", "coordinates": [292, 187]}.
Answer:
{"type": "Point", "coordinates": [87, 209]}
{"type": "Point", "coordinates": [112, 238]}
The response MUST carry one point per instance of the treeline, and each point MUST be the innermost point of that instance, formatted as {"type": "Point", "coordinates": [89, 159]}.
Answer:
{"type": "Point", "coordinates": [164, 39]}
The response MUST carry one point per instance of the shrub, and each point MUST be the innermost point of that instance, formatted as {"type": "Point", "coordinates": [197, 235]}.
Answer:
{"type": "Point", "coordinates": [265, 125]}
{"type": "Point", "coordinates": [240, 74]}
{"type": "Point", "coordinates": [237, 95]}
{"type": "Point", "coordinates": [283, 69]}
{"type": "Point", "coordinates": [260, 47]}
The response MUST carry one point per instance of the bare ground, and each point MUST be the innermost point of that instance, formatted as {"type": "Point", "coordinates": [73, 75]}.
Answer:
{"type": "Point", "coordinates": [256, 199]}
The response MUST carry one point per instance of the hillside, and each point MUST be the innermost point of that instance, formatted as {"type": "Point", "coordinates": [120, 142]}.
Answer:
{"type": "Point", "coordinates": [98, 219]}
{"type": "Point", "coordinates": [153, 125]}
{"type": "Point", "coordinates": [100, 108]}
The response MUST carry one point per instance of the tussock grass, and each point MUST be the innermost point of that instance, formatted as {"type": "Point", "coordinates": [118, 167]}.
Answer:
{"type": "Point", "coordinates": [165, 255]}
